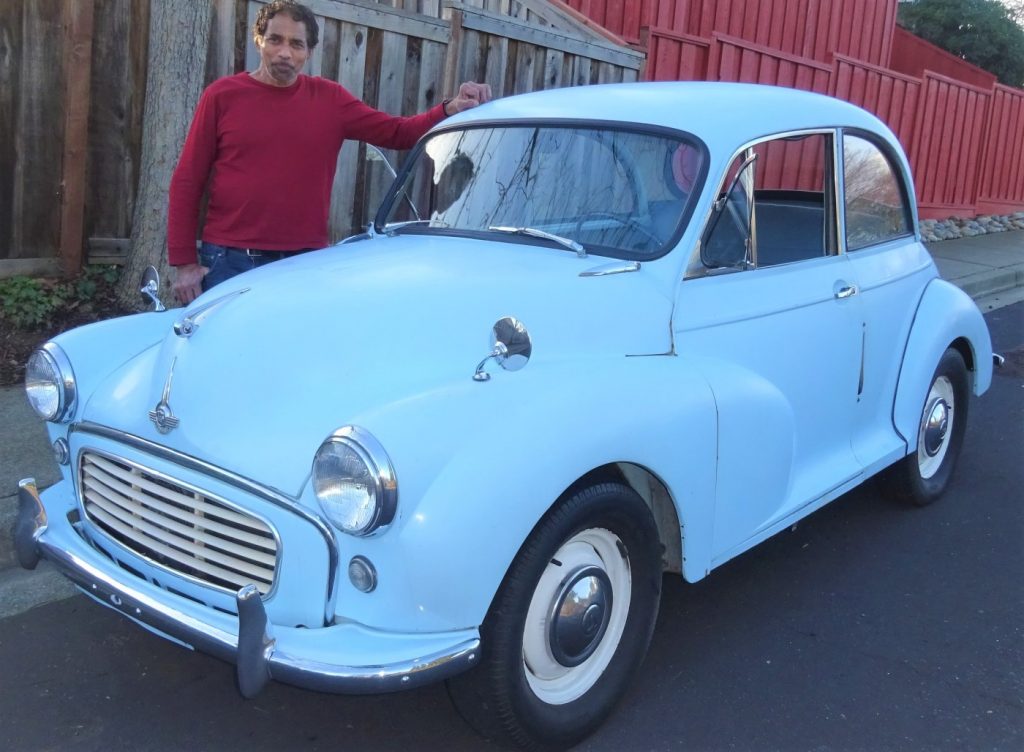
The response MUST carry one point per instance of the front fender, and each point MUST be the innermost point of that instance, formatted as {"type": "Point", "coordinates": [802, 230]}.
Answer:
{"type": "Point", "coordinates": [97, 350]}
{"type": "Point", "coordinates": [945, 315]}
{"type": "Point", "coordinates": [505, 450]}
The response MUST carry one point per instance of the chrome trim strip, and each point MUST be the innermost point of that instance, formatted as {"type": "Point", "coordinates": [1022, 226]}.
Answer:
{"type": "Point", "coordinates": [619, 267]}
{"type": "Point", "coordinates": [187, 326]}
{"type": "Point", "coordinates": [839, 191]}
{"type": "Point", "coordinates": [188, 486]}
{"type": "Point", "coordinates": [291, 669]}
{"type": "Point", "coordinates": [391, 677]}
{"type": "Point", "coordinates": [274, 497]}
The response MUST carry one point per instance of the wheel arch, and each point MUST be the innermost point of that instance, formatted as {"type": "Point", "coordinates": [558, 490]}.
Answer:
{"type": "Point", "coordinates": [656, 495]}
{"type": "Point", "coordinates": [946, 318]}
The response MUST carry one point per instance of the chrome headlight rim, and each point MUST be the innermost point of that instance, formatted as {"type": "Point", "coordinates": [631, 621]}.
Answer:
{"type": "Point", "coordinates": [67, 390]}
{"type": "Point", "coordinates": [372, 454]}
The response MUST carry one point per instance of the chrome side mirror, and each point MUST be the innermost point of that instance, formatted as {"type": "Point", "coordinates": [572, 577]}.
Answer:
{"type": "Point", "coordinates": [511, 347]}
{"type": "Point", "coordinates": [150, 289]}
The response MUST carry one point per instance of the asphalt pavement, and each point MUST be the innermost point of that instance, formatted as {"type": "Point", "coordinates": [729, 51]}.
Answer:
{"type": "Point", "coordinates": [990, 268]}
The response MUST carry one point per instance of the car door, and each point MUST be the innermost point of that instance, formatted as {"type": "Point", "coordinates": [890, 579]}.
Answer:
{"type": "Point", "coordinates": [770, 314]}
{"type": "Point", "coordinates": [892, 269]}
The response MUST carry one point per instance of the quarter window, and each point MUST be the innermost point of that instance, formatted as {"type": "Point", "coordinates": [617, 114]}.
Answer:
{"type": "Point", "coordinates": [876, 210]}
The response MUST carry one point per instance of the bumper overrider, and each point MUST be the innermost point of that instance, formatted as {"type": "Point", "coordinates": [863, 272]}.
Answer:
{"type": "Point", "coordinates": [259, 651]}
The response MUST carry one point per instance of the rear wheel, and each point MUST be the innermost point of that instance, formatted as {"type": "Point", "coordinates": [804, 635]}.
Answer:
{"type": "Point", "coordinates": [570, 624]}
{"type": "Point", "coordinates": [922, 476]}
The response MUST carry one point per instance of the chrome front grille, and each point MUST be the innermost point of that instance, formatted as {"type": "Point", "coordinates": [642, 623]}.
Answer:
{"type": "Point", "coordinates": [178, 527]}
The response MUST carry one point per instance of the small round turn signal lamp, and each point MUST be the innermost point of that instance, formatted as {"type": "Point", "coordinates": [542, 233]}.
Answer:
{"type": "Point", "coordinates": [61, 452]}
{"type": "Point", "coordinates": [362, 574]}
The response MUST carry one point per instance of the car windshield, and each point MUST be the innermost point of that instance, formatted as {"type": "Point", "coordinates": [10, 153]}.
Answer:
{"type": "Point", "coordinates": [616, 193]}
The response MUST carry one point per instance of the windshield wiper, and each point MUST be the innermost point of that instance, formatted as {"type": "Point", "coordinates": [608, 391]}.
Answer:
{"type": "Point", "coordinates": [394, 226]}
{"type": "Point", "coordinates": [572, 245]}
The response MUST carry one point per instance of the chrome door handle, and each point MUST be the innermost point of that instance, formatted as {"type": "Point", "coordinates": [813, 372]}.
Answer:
{"type": "Point", "coordinates": [844, 290]}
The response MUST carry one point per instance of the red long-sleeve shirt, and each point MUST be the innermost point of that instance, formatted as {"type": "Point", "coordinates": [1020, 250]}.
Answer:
{"type": "Point", "coordinates": [269, 154]}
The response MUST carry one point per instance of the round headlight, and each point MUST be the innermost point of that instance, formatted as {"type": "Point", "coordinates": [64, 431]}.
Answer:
{"type": "Point", "coordinates": [50, 383]}
{"type": "Point", "coordinates": [354, 482]}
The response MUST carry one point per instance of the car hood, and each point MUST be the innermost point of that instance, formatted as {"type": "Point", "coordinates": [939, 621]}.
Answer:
{"type": "Point", "coordinates": [282, 356]}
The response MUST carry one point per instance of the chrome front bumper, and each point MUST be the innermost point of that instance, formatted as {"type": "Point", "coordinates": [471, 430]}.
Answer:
{"type": "Point", "coordinates": [250, 642]}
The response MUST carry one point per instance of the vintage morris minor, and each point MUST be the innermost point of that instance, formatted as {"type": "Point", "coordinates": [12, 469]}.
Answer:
{"type": "Point", "coordinates": [593, 335]}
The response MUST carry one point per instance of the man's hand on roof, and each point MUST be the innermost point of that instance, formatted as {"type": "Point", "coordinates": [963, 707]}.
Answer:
{"type": "Point", "coordinates": [470, 95]}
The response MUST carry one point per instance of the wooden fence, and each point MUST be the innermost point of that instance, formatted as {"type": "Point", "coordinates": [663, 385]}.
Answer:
{"type": "Point", "coordinates": [71, 135]}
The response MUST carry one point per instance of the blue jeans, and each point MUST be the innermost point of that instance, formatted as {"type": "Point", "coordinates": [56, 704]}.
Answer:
{"type": "Point", "coordinates": [224, 263]}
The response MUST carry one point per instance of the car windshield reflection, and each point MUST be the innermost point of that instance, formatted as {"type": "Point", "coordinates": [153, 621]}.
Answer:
{"type": "Point", "coordinates": [616, 193]}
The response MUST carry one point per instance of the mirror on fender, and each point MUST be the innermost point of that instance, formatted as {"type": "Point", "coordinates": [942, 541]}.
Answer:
{"type": "Point", "coordinates": [150, 288]}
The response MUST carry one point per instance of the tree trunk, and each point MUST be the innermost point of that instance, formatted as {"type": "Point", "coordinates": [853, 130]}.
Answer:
{"type": "Point", "coordinates": [178, 43]}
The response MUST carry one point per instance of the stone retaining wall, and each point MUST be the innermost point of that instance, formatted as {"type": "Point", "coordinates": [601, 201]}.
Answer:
{"type": "Point", "coordinates": [955, 227]}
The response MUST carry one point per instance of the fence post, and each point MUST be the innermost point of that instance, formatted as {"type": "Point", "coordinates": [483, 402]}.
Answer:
{"type": "Point", "coordinates": [78, 32]}
{"type": "Point", "coordinates": [452, 54]}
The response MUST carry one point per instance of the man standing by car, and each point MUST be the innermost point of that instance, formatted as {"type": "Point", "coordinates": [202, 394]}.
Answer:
{"type": "Point", "coordinates": [266, 145]}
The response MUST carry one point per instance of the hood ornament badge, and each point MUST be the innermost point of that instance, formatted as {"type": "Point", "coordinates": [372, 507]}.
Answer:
{"type": "Point", "coordinates": [187, 326]}
{"type": "Point", "coordinates": [162, 417]}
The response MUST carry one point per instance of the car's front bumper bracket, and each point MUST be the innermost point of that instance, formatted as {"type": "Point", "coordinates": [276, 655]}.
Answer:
{"type": "Point", "coordinates": [30, 523]}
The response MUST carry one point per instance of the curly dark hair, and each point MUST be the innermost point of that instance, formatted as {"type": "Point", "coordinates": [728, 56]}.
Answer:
{"type": "Point", "coordinates": [297, 11]}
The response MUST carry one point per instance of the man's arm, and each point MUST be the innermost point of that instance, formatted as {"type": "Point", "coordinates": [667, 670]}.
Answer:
{"type": "Point", "coordinates": [364, 123]}
{"type": "Point", "coordinates": [185, 196]}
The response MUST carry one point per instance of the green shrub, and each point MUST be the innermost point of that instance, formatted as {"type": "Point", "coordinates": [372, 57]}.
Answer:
{"type": "Point", "coordinates": [30, 303]}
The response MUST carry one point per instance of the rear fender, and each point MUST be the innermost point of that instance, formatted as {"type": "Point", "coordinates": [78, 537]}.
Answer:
{"type": "Point", "coordinates": [946, 317]}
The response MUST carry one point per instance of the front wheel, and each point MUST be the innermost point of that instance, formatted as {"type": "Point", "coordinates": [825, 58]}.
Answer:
{"type": "Point", "coordinates": [570, 624]}
{"type": "Point", "coordinates": [922, 476]}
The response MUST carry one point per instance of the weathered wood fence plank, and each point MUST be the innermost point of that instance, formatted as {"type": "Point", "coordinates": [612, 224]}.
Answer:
{"type": "Point", "coordinates": [596, 49]}
{"type": "Point", "coordinates": [116, 102]}
{"type": "Point", "coordinates": [77, 67]}
{"type": "Point", "coordinates": [10, 50]}
{"type": "Point", "coordinates": [39, 133]}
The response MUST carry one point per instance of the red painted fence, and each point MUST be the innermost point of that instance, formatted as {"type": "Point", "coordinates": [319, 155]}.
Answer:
{"type": "Point", "coordinates": [1002, 176]}
{"type": "Point", "coordinates": [808, 28]}
{"type": "Point", "coordinates": [963, 133]}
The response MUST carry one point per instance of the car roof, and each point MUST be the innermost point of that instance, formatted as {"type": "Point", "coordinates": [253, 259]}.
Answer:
{"type": "Point", "coordinates": [724, 115]}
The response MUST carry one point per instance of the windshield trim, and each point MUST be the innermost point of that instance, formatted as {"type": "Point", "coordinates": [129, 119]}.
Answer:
{"type": "Point", "coordinates": [566, 123]}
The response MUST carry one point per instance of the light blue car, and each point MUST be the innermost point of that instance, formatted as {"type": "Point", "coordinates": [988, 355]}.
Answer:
{"type": "Point", "coordinates": [594, 335]}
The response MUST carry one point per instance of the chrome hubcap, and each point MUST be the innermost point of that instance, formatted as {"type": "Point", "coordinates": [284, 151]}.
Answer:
{"type": "Point", "coordinates": [936, 424]}
{"type": "Point", "coordinates": [580, 616]}
{"type": "Point", "coordinates": [935, 427]}
{"type": "Point", "coordinates": [573, 624]}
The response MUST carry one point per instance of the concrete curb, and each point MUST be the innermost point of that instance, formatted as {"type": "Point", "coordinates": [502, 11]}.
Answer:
{"type": "Point", "coordinates": [991, 282]}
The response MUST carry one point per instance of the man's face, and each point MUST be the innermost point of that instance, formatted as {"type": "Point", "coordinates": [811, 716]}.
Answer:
{"type": "Point", "coordinates": [283, 50]}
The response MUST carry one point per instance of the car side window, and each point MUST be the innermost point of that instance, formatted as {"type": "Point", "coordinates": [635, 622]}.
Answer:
{"type": "Point", "coordinates": [876, 207]}
{"type": "Point", "coordinates": [793, 216]}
